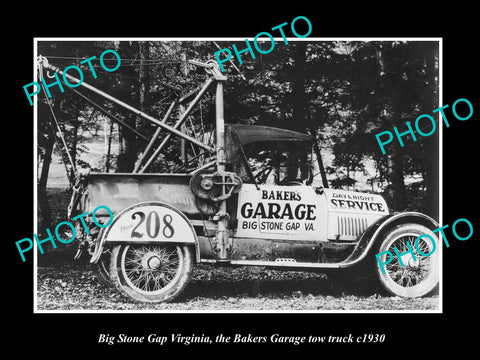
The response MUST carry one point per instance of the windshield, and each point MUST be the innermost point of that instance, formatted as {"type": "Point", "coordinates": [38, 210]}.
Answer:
{"type": "Point", "coordinates": [279, 163]}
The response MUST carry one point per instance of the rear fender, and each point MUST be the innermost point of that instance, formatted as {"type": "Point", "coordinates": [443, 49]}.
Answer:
{"type": "Point", "coordinates": [148, 223]}
{"type": "Point", "coordinates": [376, 231]}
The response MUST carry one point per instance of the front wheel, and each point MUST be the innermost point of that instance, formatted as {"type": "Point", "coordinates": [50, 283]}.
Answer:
{"type": "Point", "coordinates": [412, 275]}
{"type": "Point", "coordinates": [150, 273]}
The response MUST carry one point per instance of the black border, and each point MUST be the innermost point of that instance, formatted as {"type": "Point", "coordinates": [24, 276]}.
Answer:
{"type": "Point", "coordinates": [56, 333]}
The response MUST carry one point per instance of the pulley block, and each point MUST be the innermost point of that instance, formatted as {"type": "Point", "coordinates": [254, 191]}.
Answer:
{"type": "Point", "coordinates": [217, 186]}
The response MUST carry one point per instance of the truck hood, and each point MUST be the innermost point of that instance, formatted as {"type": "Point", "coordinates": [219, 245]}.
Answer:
{"type": "Point", "coordinates": [350, 213]}
{"type": "Point", "coordinates": [356, 202]}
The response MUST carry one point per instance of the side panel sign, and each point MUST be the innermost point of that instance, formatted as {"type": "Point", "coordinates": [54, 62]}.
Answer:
{"type": "Point", "coordinates": [277, 211]}
{"type": "Point", "coordinates": [150, 222]}
{"type": "Point", "coordinates": [348, 201]}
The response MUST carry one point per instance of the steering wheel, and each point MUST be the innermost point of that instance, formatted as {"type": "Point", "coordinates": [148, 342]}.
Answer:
{"type": "Point", "coordinates": [262, 175]}
{"type": "Point", "coordinates": [291, 183]}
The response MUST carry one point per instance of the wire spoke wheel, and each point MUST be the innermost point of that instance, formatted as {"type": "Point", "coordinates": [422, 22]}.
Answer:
{"type": "Point", "coordinates": [102, 268]}
{"type": "Point", "coordinates": [150, 273]}
{"type": "Point", "coordinates": [414, 273]}
{"type": "Point", "coordinates": [151, 269]}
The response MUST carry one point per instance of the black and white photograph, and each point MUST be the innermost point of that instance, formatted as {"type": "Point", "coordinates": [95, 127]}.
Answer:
{"type": "Point", "coordinates": [261, 187]}
{"type": "Point", "coordinates": [271, 180]}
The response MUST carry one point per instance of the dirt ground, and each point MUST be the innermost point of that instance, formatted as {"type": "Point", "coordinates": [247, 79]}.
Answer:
{"type": "Point", "coordinates": [66, 284]}
{"type": "Point", "coordinates": [213, 289]}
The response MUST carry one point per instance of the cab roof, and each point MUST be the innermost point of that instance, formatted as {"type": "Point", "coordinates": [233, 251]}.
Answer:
{"type": "Point", "coordinates": [248, 134]}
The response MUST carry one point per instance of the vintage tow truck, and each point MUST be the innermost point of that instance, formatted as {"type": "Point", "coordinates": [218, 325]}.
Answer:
{"type": "Point", "coordinates": [221, 213]}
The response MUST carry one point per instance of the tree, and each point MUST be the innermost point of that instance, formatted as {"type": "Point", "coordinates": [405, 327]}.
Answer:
{"type": "Point", "coordinates": [386, 82]}
{"type": "Point", "coordinates": [343, 93]}
{"type": "Point", "coordinates": [46, 142]}
{"type": "Point", "coordinates": [129, 93]}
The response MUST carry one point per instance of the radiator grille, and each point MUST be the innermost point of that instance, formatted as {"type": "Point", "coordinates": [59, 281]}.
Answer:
{"type": "Point", "coordinates": [351, 226]}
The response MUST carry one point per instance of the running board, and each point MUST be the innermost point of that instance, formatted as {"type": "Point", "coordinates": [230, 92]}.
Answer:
{"type": "Point", "coordinates": [280, 264]}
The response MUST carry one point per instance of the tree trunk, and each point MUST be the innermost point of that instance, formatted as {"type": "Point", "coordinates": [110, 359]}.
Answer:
{"type": "Point", "coordinates": [298, 113]}
{"type": "Point", "coordinates": [144, 78]}
{"type": "Point", "coordinates": [298, 88]}
{"type": "Point", "coordinates": [128, 149]}
{"type": "Point", "coordinates": [45, 210]}
{"type": "Point", "coordinates": [73, 148]}
{"type": "Point", "coordinates": [318, 154]}
{"type": "Point", "coordinates": [396, 191]}
{"type": "Point", "coordinates": [109, 148]}
{"type": "Point", "coordinates": [316, 148]}
{"type": "Point", "coordinates": [431, 143]}
{"type": "Point", "coordinates": [63, 147]}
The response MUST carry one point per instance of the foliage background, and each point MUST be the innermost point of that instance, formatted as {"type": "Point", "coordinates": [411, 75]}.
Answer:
{"type": "Point", "coordinates": [342, 92]}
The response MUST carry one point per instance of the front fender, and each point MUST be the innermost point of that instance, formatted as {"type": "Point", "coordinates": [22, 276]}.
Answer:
{"type": "Point", "coordinates": [147, 223]}
{"type": "Point", "coordinates": [375, 232]}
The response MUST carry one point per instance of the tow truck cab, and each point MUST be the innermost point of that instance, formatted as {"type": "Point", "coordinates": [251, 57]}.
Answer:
{"type": "Point", "coordinates": [271, 217]}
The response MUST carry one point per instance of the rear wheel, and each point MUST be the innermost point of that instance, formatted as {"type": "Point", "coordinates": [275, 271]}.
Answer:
{"type": "Point", "coordinates": [102, 268]}
{"type": "Point", "coordinates": [151, 273]}
{"type": "Point", "coordinates": [419, 274]}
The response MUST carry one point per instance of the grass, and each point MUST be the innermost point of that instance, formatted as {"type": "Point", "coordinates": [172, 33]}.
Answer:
{"type": "Point", "coordinates": [63, 254]}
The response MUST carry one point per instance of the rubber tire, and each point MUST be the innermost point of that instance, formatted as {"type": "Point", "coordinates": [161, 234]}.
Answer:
{"type": "Point", "coordinates": [118, 278]}
{"type": "Point", "coordinates": [387, 283]}
{"type": "Point", "coordinates": [102, 269]}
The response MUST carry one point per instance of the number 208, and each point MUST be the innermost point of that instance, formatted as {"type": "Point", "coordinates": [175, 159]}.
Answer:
{"type": "Point", "coordinates": [152, 225]}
